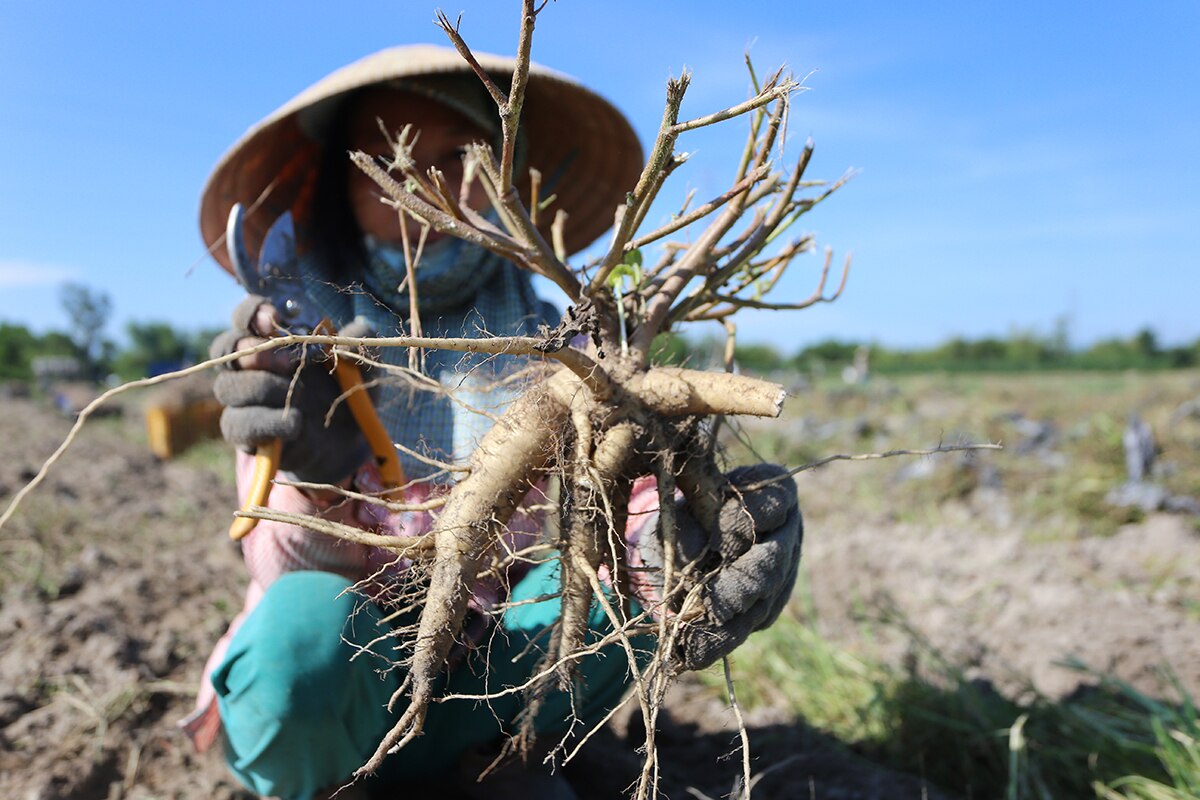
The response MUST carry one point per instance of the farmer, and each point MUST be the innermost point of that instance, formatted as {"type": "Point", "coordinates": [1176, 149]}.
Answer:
{"type": "Point", "coordinates": [295, 713]}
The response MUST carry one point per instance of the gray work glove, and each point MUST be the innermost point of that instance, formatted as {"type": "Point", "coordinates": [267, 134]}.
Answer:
{"type": "Point", "coordinates": [756, 552]}
{"type": "Point", "coordinates": [258, 409]}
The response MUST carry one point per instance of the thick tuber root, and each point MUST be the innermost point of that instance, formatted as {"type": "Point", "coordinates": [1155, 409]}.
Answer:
{"type": "Point", "coordinates": [510, 460]}
{"type": "Point", "coordinates": [594, 510]}
{"type": "Point", "coordinates": [503, 469]}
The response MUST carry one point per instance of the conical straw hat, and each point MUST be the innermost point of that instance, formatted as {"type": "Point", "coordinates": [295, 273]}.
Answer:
{"type": "Point", "coordinates": [586, 150]}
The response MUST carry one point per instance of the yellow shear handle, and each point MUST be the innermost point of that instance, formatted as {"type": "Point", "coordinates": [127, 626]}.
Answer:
{"type": "Point", "coordinates": [266, 458]}
{"type": "Point", "coordinates": [350, 379]}
{"type": "Point", "coordinates": [266, 464]}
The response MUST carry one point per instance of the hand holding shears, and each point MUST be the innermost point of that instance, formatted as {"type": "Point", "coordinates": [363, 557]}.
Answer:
{"type": "Point", "coordinates": [276, 279]}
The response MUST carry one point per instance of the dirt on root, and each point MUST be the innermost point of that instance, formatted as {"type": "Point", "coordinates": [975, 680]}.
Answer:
{"type": "Point", "coordinates": [116, 579]}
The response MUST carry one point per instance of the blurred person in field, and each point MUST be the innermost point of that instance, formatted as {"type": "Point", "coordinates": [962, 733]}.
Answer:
{"type": "Point", "coordinates": [298, 690]}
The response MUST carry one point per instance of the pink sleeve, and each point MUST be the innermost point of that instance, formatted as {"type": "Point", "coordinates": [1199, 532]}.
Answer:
{"type": "Point", "coordinates": [643, 510]}
{"type": "Point", "coordinates": [275, 548]}
{"type": "Point", "coordinates": [642, 522]}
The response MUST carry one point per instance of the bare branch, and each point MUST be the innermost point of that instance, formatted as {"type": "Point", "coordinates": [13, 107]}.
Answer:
{"type": "Point", "coordinates": [767, 95]}
{"type": "Point", "coordinates": [556, 233]}
{"type": "Point", "coordinates": [775, 266]}
{"type": "Point", "coordinates": [440, 220]}
{"type": "Point", "coordinates": [90, 409]}
{"type": "Point", "coordinates": [410, 266]}
{"type": "Point", "coordinates": [947, 448]}
{"type": "Point", "coordinates": [658, 308]}
{"type": "Point", "coordinates": [755, 123]}
{"type": "Point", "coordinates": [802, 207]}
{"type": "Point", "coordinates": [535, 195]}
{"type": "Point", "coordinates": [701, 211]}
{"type": "Point", "coordinates": [540, 258]}
{"type": "Point", "coordinates": [428, 505]}
{"type": "Point", "coordinates": [448, 201]}
{"type": "Point", "coordinates": [769, 227]}
{"type": "Point", "coordinates": [762, 233]}
{"type": "Point", "coordinates": [510, 112]}
{"type": "Point", "coordinates": [675, 162]}
{"type": "Point", "coordinates": [744, 794]}
{"type": "Point", "coordinates": [679, 275]}
{"type": "Point", "coordinates": [818, 296]}
{"type": "Point", "coordinates": [414, 547]}
{"type": "Point", "coordinates": [660, 155]}
{"type": "Point", "coordinates": [432, 462]}
{"type": "Point", "coordinates": [451, 30]}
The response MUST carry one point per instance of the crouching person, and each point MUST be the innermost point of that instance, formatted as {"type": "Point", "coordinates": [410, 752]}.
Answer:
{"type": "Point", "coordinates": [299, 690]}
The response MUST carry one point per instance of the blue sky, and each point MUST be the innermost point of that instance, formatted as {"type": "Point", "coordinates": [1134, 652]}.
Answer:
{"type": "Point", "coordinates": [1019, 161]}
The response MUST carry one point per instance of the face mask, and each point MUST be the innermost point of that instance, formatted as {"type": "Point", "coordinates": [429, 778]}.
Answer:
{"type": "Point", "coordinates": [449, 275]}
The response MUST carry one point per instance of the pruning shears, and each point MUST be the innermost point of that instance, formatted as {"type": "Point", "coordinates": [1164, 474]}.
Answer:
{"type": "Point", "coordinates": [276, 276]}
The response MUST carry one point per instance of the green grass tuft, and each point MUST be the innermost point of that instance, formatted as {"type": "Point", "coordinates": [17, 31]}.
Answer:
{"type": "Point", "coordinates": [929, 718]}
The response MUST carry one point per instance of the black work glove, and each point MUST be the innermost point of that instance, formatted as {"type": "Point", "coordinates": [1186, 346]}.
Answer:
{"type": "Point", "coordinates": [258, 407]}
{"type": "Point", "coordinates": [755, 552]}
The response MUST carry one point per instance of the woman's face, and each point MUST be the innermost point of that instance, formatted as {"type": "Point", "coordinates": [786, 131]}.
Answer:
{"type": "Point", "coordinates": [443, 135]}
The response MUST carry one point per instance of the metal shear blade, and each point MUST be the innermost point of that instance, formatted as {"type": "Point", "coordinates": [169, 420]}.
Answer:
{"type": "Point", "coordinates": [276, 276]}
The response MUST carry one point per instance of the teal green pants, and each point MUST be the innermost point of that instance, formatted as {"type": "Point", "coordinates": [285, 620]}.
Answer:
{"type": "Point", "coordinates": [299, 716]}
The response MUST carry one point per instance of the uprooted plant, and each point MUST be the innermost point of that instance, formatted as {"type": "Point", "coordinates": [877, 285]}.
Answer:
{"type": "Point", "coordinates": [623, 417]}
{"type": "Point", "coordinates": [602, 414]}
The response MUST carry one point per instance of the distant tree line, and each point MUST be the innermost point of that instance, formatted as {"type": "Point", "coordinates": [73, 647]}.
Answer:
{"type": "Point", "coordinates": [1019, 352]}
{"type": "Point", "coordinates": [150, 348]}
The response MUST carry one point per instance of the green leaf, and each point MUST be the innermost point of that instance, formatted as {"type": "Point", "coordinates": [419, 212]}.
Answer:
{"type": "Point", "coordinates": [630, 268]}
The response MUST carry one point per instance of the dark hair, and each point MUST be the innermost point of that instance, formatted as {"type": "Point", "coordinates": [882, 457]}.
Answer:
{"type": "Point", "coordinates": [336, 237]}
